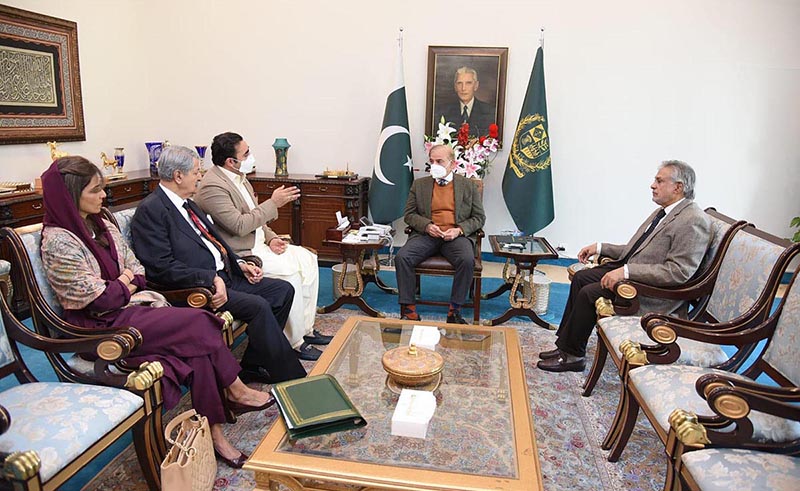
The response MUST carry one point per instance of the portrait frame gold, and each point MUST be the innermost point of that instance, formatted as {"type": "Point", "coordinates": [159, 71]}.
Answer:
{"type": "Point", "coordinates": [490, 63]}
{"type": "Point", "coordinates": [41, 97]}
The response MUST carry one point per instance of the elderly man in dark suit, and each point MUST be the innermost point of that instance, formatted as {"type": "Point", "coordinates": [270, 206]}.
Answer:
{"type": "Point", "coordinates": [444, 211]}
{"type": "Point", "coordinates": [666, 250]}
{"type": "Point", "coordinates": [180, 247]}
{"type": "Point", "coordinates": [469, 109]}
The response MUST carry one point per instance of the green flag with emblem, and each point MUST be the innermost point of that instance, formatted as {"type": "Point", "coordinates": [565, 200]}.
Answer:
{"type": "Point", "coordinates": [528, 182]}
{"type": "Point", "coordinates": [393, 171]}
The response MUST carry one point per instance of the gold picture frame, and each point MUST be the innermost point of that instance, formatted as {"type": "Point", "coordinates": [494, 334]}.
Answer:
{"type": "Point", "coordinates": [40, 85]}
{"type": "Point", "coordinates": [490, 64]}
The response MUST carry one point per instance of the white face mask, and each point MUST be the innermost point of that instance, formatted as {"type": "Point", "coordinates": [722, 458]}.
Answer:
{"type": "Point", "coordinates": [438, 171]}
{"type": "Point", "coordinates": [247, 165]}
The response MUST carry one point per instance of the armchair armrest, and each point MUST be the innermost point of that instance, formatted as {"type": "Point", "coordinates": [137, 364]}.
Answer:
{"type": "Point", "coordinates": [196, 297]}
{"type": "Point", "coordinates": [707, 383]}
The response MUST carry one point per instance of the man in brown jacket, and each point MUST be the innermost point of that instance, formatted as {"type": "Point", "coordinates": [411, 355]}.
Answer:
{"type": "Point", "coordinates": [228, 197]}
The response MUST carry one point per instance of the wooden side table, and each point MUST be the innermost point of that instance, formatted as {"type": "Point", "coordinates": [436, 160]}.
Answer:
{"type": "Point", "coordinates": [525, 252]}
{"type": "Point", "coordinates": [366, 271]}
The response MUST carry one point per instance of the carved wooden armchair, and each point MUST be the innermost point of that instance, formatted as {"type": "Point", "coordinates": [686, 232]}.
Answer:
{"type": "Point", "coordinates": [749, 430]}
{"type": "Point", "coordinates": [439, 266]}
{"type": "Point", "coordinates": [196, 297]}
{"type": "Point", "coordinates": [653, 381]}
{"type": "Point", "coordinates": [612, 328]}
{"type": "Point", "coordinates": [50, 430]}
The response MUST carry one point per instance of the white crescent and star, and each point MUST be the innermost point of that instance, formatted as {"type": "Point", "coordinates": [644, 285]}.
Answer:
{"type": "Point", "coordinates": [387, 133]}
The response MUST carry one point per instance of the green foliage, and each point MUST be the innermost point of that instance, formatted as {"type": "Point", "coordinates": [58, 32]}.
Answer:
{"type": "Point", "coordinates": [795, 224]}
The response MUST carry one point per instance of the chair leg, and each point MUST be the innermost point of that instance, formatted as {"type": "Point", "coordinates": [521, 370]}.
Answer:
{"type": "Point", "coordinates": [622, 406]}
{"type": "Point", "coordinates": [631, 412]}
{"type": "Point", "coordinates": [151, 467]}
{"type": "Point", "coordinates": [476, 301]}
{"type": "Point", "coordinates": [597, 367]}
{"type": "Point", "coordinates": [157, 430]}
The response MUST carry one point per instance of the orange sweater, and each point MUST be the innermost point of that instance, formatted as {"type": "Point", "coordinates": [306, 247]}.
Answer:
{"type": "Point", "coordinates": [443, 206]}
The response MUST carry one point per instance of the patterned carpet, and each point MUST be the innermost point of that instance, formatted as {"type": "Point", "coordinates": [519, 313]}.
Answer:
{"type": "Point", "coordinates": [569, 429]}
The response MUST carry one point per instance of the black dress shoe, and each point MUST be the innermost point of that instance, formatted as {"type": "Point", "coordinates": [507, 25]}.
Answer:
{"type": "Point", "coordinates": [317, 337]}
{"type": "Point", "coordinates": [560, 364]}
{"type": "Point", "coordinates": [455, 318]}
{"type": "Point", "coordinates": [553, 353]}
{"type": "Point", "coordinates": [236, 463]}
{"type": "Point", "coordinates": [255, 374]}
{"type": "Point", "coordinates": [308, 352]}
{"type": "Point", "coordinates": [238, 409]}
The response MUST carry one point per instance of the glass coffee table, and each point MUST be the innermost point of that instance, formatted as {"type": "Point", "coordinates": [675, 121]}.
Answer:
{"type": "Point", "coordinates": [481, 436]}
{"type": "Point", "coordinates": [524, 252]}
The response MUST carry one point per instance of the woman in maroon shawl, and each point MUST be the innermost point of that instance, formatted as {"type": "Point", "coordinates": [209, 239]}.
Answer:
{"type": "Point", "coordinates": [99, 282]}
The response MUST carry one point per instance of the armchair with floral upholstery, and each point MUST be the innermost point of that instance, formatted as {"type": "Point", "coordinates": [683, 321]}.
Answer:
{"type": "Point", "coordinates": [656, 384]}
{"type": "Point", "coordinates": [50, 430]}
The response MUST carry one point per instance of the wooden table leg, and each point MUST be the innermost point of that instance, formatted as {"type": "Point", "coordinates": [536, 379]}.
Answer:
{"type": "Point", "coordinates": [522, 306]}
{"type": "Point", "coordinates": [350, 295]}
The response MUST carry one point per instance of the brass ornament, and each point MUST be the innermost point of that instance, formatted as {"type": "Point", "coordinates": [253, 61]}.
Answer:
{"type": "Point", "coordinates": [633, 353]}
{"type": "Point", "coordinates": [22, 466]}
{"type": "Point", "coordinates": [109, 350]}
{"type": "Point", "coordinates": [604, 308]}
{"type": "Point", "coordinates": [627, 291]}
{"type": "Point", "coordinates": [688, 430]}
{"type": "Point", "coordinates": [145, 376]}
{"type": "Point", "coordinates": [732, 406]}
{"type": "Point", "coordinates": [227, 318]}
{"type": "Point", "coordinates": [196, 300]}
{"type": "Point", "coordinates": [664, 334]}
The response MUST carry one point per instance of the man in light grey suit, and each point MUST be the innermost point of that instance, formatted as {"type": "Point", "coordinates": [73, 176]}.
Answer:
{"type": "Point", "coordinates": [666, 250]}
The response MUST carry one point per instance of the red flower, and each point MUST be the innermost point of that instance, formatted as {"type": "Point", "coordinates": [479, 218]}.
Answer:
{"type": "Point", "coordinates": [463, 134]}
{"type": "Point", "coordinates": [481, 140]}
{"type": "Point", "coordinates": [493, 130]}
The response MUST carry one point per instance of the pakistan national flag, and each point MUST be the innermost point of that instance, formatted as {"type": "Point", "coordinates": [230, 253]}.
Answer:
{"type": "Point", "coordinates": [528, 183]}
{"type": "Point", "coordinates": [393, 171]}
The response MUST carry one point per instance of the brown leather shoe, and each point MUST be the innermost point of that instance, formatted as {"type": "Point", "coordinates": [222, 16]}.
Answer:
{"type": "Point", "coordinates": [561, 365]}
{"type": "Point", "coordinates": [553, 353]}
{"type": "Point", "coordinates": [236, 463]}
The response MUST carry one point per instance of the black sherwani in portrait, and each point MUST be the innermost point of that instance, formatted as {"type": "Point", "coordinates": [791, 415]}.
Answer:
{"type": "Point", "coordinates": [173, 255]}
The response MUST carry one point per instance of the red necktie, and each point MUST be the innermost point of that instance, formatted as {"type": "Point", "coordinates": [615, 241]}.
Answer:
{"type": "Point", "coordinates": [206, 234]}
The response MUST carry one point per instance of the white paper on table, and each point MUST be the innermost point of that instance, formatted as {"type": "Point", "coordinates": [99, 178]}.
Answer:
{"type": "Point", "coordinates": [425, 336]}
{"type": "Point", "coordinates": [413, 412]}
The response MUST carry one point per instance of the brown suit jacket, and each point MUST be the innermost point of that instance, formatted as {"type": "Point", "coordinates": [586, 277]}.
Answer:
{"type": "Point", "coordinates": [670, 256]}
{"type": "Point", "coordinates": [234, 219]}
{"type": "Point", "coordinates": [469, 205]}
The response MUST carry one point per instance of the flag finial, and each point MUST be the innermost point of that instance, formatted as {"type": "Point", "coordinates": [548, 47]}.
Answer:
{"type": "Point", "coordinates": [541, 37]}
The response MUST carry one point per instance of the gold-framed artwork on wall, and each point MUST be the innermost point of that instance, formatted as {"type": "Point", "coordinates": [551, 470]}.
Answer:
{"type": "Point", "coordinates": [40, 84]}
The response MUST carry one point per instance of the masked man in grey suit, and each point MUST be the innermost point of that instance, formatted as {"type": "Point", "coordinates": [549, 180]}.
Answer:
{"type": "Point", "coordinates": [444, 211]}
{"type": "Point", "coordinates": [666, 250]}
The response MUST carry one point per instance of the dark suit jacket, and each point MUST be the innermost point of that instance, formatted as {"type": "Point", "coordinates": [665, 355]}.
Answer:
{"type": "Point", "coordinates": [469, 206]}
{"type": "Point", "coordinates": [169, 248]}
{"type": "Point", "coordinates": [479, 120]}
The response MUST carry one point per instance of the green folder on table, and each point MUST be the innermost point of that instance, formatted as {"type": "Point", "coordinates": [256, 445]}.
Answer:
{"type": "Point", "coordinates": [315, 405]}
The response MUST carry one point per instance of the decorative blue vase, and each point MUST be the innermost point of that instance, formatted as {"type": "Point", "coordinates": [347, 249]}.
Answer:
{"type": "Point", "coordinates": [154, 153]}
{"type": "Point", "coordinates": [201, 151]}
{"type": "Point", "coordinates": [281, 147]}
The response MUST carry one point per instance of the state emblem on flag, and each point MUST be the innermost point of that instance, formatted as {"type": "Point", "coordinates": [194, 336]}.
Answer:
{"type": "Point", "coordinates": [530, 151]}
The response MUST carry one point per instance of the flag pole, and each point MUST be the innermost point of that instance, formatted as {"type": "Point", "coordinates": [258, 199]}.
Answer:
{"type": "Point", "coordinates": [541, 37]}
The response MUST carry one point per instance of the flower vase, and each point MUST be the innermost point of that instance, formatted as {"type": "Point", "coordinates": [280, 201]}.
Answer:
{"type": "Point", "coordinates": [201, 152]}
{"type": "Point", "coordinates": [119, 156]}
{"type": "Point", "coordinates": [153, 153]}
{"type": "Point", "coordinates": [281, 147]}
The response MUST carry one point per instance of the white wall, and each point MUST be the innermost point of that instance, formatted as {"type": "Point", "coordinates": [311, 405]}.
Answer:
{"type": "Point", "coordinates": [629, 83]}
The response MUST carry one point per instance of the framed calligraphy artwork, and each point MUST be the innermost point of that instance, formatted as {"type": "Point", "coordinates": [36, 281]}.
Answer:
{"type": "Point", "coordinates": [466, 84]}
{"type": "Point", "coordinates": [40, 85]}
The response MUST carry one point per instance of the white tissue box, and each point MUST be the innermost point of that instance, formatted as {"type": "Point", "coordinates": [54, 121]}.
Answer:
{"type": "Point", "coordinates": [414, 411]}
{"type": "Point", "coordinates": [425, 336]}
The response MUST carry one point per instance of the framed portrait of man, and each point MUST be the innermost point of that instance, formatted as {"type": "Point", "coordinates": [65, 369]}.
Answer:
{"type": "Point", "coordinates": [466, 85]}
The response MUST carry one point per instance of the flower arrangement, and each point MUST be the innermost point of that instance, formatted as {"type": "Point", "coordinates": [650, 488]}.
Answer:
{"type": "Point", "coordinates": [474, 156]}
